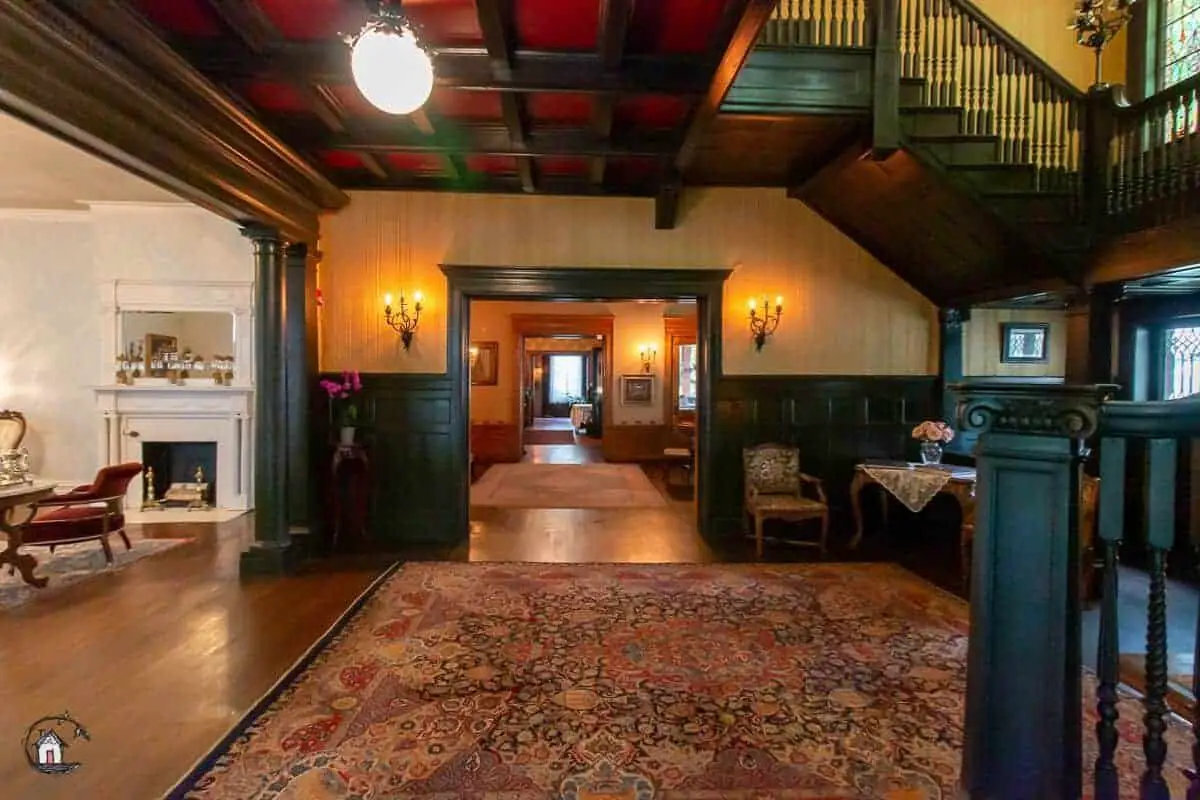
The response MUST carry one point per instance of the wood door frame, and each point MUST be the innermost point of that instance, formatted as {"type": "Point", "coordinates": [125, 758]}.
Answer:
{"type": "Point", "coordinates": [536, 325]}
{"type": "Point", "coordinates": [676, 331]}
{"type": "Point", "coordinates": [466, 283]}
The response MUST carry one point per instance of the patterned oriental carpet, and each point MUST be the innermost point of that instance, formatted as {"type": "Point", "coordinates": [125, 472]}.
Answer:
{"type": "Point", "coordinates": [822, 682]}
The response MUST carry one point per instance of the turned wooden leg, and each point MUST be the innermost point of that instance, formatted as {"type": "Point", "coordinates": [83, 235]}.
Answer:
{"type": "Point", "coordinates": [125, 539]}
{"type": "Point", "coordinates": [108, 554]}
{"type": "Point", "coordinates": [758, 535]}
{"type": "Point", "coordinates": [856, 487]}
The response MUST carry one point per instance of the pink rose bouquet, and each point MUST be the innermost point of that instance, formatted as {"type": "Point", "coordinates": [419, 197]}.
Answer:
{"type": "Point", "coordinates": [340, 394]}
{"type": "Point", "coordinates": [934, 431]}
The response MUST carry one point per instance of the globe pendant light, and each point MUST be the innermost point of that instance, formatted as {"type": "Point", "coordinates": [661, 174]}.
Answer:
{"type": "Point", "coordinates": [390, 68]}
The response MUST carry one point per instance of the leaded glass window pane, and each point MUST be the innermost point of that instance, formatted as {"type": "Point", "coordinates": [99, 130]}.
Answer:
{"type": "Point", "coordinates": [1181, 377]}
{"type": "Point", "coordinates": [1180, 41]}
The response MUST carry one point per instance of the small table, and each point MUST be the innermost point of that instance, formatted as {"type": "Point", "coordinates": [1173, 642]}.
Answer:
{"type": "Point", "coordinates": [11, 499]}
{"type": "Point", "coordinates": [961, 486]}
{"type": "Point", "coordinates": [351, 465]}
{"type": "Point", "coordinates": [581, 415]}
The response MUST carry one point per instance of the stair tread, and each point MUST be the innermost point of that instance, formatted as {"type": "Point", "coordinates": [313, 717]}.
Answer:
{"type": "Point", "coordinates": [998, 166]}
{"type": "Point", "coordinates": [931, 109]}
{"type": "Point", "coordinates": [1017, 194]}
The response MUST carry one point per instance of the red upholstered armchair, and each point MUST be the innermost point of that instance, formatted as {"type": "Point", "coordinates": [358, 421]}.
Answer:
{"type": "Point", "coordinates": [95, 511]}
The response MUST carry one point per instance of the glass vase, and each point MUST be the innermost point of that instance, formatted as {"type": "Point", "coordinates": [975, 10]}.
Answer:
{"type": "Point", "coordinates": [931, 452]}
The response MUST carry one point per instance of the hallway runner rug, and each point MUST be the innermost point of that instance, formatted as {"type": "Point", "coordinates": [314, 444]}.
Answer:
{"type": "Point", "coordinates": [821, 682]}
{"type": "Point", "coordinates": [566, 486]}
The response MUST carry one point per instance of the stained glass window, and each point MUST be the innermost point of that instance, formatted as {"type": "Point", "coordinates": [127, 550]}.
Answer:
{"type": "Point", "coordinates": [1180, 41]}
{"type": "Point", "coordinates": [1181, 377]}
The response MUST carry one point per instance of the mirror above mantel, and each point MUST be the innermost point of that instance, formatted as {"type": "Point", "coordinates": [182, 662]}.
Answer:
{"type": "Point", "coordinates": [173, 334]}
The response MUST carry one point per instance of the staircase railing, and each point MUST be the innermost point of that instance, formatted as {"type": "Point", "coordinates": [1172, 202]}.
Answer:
{"type": "Point", "coordinates": [1157, 426]}
{"type": "Point", "coordinates": [967, 61]}
{"type": "Point", "coordinates": [1155, 155]}
{"type": "Point", "coordinates": [820, 23]}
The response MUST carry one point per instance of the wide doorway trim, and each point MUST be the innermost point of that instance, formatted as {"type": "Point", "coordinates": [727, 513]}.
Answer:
{"type": "Point", "coordinates": [466, 283]}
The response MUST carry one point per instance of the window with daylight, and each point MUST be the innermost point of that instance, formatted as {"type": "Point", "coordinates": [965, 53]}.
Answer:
{"type": "Point", "coordinates": [1181, 373]}
{"type": "Point", "coordinates": [566, 379]}
{"type": "Point", "coordinates": [1180, 40]}
{"type": "Point", "coordinates": [686, 399]}
{"type": "Point", "coordinates": [1179, 46]}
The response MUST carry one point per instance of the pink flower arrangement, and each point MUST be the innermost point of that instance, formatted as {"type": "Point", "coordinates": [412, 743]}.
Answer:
{"type": "Point", "coordinates": [933, 431]}
{"type": "Point", "coordinates": [340, 392]}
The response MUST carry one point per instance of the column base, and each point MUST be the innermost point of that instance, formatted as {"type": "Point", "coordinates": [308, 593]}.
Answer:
{"type": "Point", "coordinates": [267, 559]}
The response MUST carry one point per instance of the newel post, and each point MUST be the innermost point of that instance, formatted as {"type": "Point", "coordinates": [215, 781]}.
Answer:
{"type": "Point", "coordinates": [1099, 131]}
{"type": "Point", "coordinates": [270, 552]}
{"type": "Point", "coordinates": [1022, 729]}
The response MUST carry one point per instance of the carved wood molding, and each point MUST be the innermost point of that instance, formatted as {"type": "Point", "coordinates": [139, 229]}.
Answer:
{"type": "Point", "coordinates": [97, 76]}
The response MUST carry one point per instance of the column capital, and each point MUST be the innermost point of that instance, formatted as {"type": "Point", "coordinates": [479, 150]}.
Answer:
{"type": "Point", "coordinates": [953, 317]}
{"type": "Point", "coordinates": [1060, 410]}
{"type": "Point", "coordinates": [267, 241]}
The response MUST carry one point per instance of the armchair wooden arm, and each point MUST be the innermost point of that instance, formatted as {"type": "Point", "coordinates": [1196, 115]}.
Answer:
{"type": "Point", "coordinates": [817, 484]}
{"type": "Point", "coordinates": [113, 503]}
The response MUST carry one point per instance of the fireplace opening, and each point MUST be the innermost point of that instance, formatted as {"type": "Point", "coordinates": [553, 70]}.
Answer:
{"type": "Point", "coordinates": [184, 474]}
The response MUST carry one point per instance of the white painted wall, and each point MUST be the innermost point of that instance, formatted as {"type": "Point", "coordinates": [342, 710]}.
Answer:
{"type": "Point", "coordinates": [52, 265]}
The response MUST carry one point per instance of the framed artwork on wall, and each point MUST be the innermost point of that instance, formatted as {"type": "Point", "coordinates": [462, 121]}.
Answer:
{"type": "Point", "coordinates": [1024, 342]}
{"type": "Point", "coordinates": [485, 363]}
{"type": "Point", "coordinates": [637, 390]}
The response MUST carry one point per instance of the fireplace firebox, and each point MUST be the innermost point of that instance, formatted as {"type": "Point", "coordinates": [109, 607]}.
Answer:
{"type": "Point", "coordinates": [175, 464]}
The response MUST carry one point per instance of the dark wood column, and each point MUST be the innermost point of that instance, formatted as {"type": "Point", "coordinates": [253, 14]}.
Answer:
{"type": "Point", "coordinates": [1023, 732]}
{"type": "Point", "coordinates": [271, 551]}
{"type": "Point", "coordinates": [300, 371]}
{"type": "Point", "coordinates": [1090, 335]}
{"type": "Point", "coordinates": [950, 366]}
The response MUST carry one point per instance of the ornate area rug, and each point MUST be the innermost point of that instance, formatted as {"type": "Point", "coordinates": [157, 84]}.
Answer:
{"type": "Point", "coordinates": [565, 486]}
{"type": "Point", "coordinates": [815, 681]}
{"type": "Point", "coordinates": [73, 563]}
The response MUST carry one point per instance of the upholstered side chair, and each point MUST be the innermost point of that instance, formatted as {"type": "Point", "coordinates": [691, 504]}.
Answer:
{"type": "Point", "coordinates": [775, 489]}
{"type": "Point", "coordinates": [92, 512]}
{"type": "Point", "coordinates": [12, 429]}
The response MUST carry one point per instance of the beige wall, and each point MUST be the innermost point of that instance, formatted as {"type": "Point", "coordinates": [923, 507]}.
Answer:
{"type": "Point", "coordinates": [634, 325]}
{"type": "Point", "coordinates": [981, 343]}
{"type": "Point", "coordinates": [845, 313]}
{"type": "Point", "coordinates": [1041, 25]}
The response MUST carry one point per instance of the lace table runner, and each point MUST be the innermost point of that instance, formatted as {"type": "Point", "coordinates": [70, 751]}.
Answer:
{"type": "Point", "coordinates": [912, 486]}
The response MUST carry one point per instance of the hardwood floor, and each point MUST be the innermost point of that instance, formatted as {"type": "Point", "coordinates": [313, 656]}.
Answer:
{"type": "Point", "coordinates": [157, 661]}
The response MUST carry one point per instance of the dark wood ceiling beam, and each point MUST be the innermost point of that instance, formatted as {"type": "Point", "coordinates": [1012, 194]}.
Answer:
{"type": "Point", "coordinates": [483, 139]}
{"type": "Point", "coordinates": [495, 21]}
{"type": "Point", "coordinates": [733, 41]}
{"type": "Point", "coordinates": [98, 76]}
{"type": "Point", "coordinates": [461, 68]}
{"type": "Point", "coordinates": [734, 38]}
{"type": "Point", "coordinates": [610, 45]}
{"type": "Point", "coordinates": [246, 20]}
{"type": "Point", "coordinates": [498, 184]}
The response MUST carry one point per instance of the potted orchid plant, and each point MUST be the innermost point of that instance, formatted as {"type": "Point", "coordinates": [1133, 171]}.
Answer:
{"type": "Point", "coordinates": [341, 403]}
{"type": "Point", "coordinates": [933, 436]}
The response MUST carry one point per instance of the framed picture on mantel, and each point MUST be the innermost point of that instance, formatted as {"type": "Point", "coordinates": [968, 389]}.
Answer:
{"type": "Point", "coordinates": [1024, 342]}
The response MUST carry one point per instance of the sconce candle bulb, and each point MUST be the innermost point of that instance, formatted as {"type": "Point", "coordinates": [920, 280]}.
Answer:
{"type": "Point", "coordinates": [647, 354]}
{"type": "Point", "coordinates": [400, 320]}
{"type": "Point", "coordinates": [764, 324]}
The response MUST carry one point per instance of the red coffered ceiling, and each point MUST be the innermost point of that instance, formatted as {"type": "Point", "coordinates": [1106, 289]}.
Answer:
{"type": "Point", "coordinates": [579, 96]}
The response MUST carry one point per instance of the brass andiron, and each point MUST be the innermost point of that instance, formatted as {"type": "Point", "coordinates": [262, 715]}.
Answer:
{"type": "Point", "coordinates": [149, 501]}
{"type": "Point", "coordinates": [201, 501]}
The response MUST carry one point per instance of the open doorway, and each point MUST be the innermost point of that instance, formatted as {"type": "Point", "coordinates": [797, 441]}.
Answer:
{"type": "Point", "coordinates": [632, 380]}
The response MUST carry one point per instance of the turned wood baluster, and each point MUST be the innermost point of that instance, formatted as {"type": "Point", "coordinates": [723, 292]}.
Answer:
{"type": "Point", "coordinates": [954, 22]}
{"type": "Point", "coordinates": [1160, 535]}
{"type": "Point", "coordinates": [844, 27]}
{"type": "Point", "coordinates": [1109, 533]}
{"type": "Point", "coordinates": [928, 47]}
{"type": "Point", "coordinates": [1006, 105]}
{"type": "Point", "coordinates": [914, 39]}
{"type": "Point", "coordinates": [1037, 150]}
{"type": "Point", "coordinates": [805, 20]}
{"type": "Point", "coordinates": [1025, 111]}
{"type": "Point", "coordinates": [939, 27]}
{"type": "Point", "coordinates": [990, 72]}
{"type": "Point", "coordinates": [827, 23]}
{"type": "Point", "coordinates": [1073, 155]}
{"type": "Point", "coordinates": [970, 41]}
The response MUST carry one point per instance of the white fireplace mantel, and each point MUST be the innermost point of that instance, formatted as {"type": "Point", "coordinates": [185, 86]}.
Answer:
{"type": "Point", "coordinates": [154, 410]}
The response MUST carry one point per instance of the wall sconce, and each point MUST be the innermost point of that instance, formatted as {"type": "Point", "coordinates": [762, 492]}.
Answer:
{"type": "Point", "coordinates": [400, 320]}
{"type": "Point", "coordinates": [764, 324]}
{"type": "Point", "coordinates": [647, 355]}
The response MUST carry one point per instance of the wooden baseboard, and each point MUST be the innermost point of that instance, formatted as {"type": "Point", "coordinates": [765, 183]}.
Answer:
{"type": "Point", "coordinates": [495, 442]}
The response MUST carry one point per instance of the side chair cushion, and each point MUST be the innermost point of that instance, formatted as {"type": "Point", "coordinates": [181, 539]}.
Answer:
{"type": "Point", "coordinates": [70, 524]}
{"type": "Point", "coordinates": [772, 470]}
{"type": "Point", "coordinates": [768, 503]}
